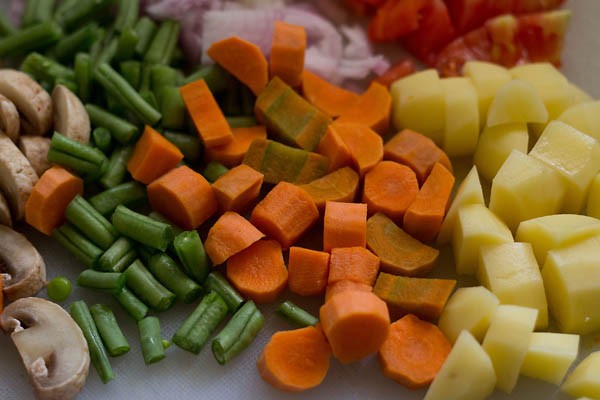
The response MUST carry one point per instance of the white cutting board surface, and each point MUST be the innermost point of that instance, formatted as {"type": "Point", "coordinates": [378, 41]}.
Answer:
{"type": "Point", "coordinates": [185, 376]}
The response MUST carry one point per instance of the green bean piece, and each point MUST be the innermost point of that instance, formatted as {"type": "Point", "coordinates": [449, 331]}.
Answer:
{"type": "Point", "coordinates": [216, 78]}
{"type": "Point", "coordinates": [131, 71]}
{"type": "Point", "coordinates": [171, 106]}
{"type": "Point", "coordinates": [247, 101]}
{"type": "Point", "coordinates": [145, 77]}
{"type": "Point", "coordinates": [214, 170]}
{"type": "Point", "coordinates": [149, 98]}
{"type": "Point", "coordinates": [118, 256]}
{"type": "Point", "coordinates": [239, 332]}
{"type": "Point", "coordinates": [163, 44]}
{"type": "Point", "coordinates": [78, 41]}
{"type": "Point", "coordinates": [163, 75]}
{"type": "Point", "coordinates": [232, 104]}
{"type": "Point", "coordinates": [37, 11]}
{"type": "Point", "coordinates": [145, 252]}
{"type": "Point", "coordinates": [59, 288]}
{"type": "Point", "coordinates": [145, 28]}
{"type": "Point", "coordinates": [45, 69]}
{"type": "Point", "coordinates": [189, 145]}
{"type": "Point", "coordinates": [127, 193]}
{"type": "Point", "coordinates": [126, 44]}
{"type": "Point", "coordinates": [98, 45]}
{"type": "Point", "coordinates": [195, 331]}
{"type": "Point", "coordinates": [241, 122]}
{"type": "Point", "coordinates": [69, 84]}
{"type": "Point", "coordinates": [84, 250]}
{"type": "Point", "coordinates": [128, 14]}
{"type": "Point", "coordinates": [296, 315]}
{"type": "Point", "coordinates": [62, 6]}
{"type": "Point", "coordinates": [166, 343]}
{"type": "Point", "coordinates": [84, 168]}
{"type": "Point", "coordinates": [131, 304]}
{"type": "Point", "coordinates": [147, 288]}
{"type": "Point", "coordinates": [142, 228]}
{"type": "Point", "coordinates": [81, 12]}
{"type": "Point", "coordinates": [166, 270]}
{"type": "Point", "coordinates": [190, 251]}
{"type": "Point", "coordinates": [107, 281]}
{"type": "Point", "coordinates": [83, 75]}
{"type": "Point", "coordinates": [102, 139]}
{"type": "Point", "coordinates": [108, 52]}
{"type": "Point", "coordinates": [161, 218]}
{"type": "Point", "coordinates": [6, 27]}
{"type": "Point", "coordinates": [86, 160]}
{"type": "Point", "coordinates": [90, 222]}
{"type": "Point", "coordinates": [122, 131]}
{"type": "Point", "coordinates": [217, 282]}
{"type": "Point", "coordinates": [151, 340]}
{"type": "Point", "coordinates": [30, 39]}
{"type": "Point", "coordinates": [117, 167]}
{"type": "Point", "coordinates": [109, 330]}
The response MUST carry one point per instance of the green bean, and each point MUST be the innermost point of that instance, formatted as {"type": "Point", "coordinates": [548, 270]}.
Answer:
{"type": "Point", "coordinates": [59, 288]}
{"type": "Point", "coordinates": [171, 107]}
{"type": "Point", "coordinates": [107, 281]}
{"type": "Point", "coordinates": [102, 139]}
{"type": "Point", "coordinates": [216, 78]}
{"type": "Point", "coordinates": [131, 304]}
{"type": "Point", "coordinates": [126, 193]}
{"type": "Point", "coordinates": [126, 44]}
{"type": "Point", "coordinates": [163, 44]}
{"type": "Point", "coordinates": [109, 330]}
{"type": "Point", "coordinates": [241, 122]}
{"type": "Point", "coordinates": [296, 315]}
{"type": "Point", "coordinates": [161, 218]}
{"type": "Point", "coordinates": [108, 52]}
{"type": "Point", "coordinates": [214, 170]}
{"type": "Point", "coordinates": [145, 252]}
{"type": "Point", "coordinates": [80, 40]}
{"type": "Point", "coordinates": [151, 340]}
{"type": "Point", "coordinates": [147, 288]}
{"type": "Point", "coordinates": [6, 27]}
{"type": "Point", "coordinates": [163, 75]}
{"type": "Point", "coordinates": [118, 256]}
{"type": "Point", "coordinates": [195, 331]}
{"type": "Point", "coordinates": [166, 270]}
{"type": "Point", "coordinates": [122, 131]}
{"type": "Point", "coordinates": [131, 72]}
{"type": "Point", "coordinates": [30, 39]}
{"type": "Point", "coordinates": [83, 75]}
{"type": "Point", "coordinates": [84, 250]}
{"type": "Point", "coordinates": [87, 160]}
{"type": "Point", "coordinates": [36, 11]}
{"type": "Point", "coordinates": [216, 282]}
{"type": "Point", "coordinates": [189, 145]}
{"type": "Point", "coordinates": [145, 28]}
{"type": "Point", "coordinates": [87, 169]}
{"type": "Point", "coordinates": [62, 6]}
{"type": "Point", "coordinates": [190, 251]}
{"type": "Point", "coordinates": [81, 12]}
{"type": "Point", "coordinates": [232, 104]}
{"type": "Point", "coordinates": [149, 98]}
{"type": "Point", "coordinates": [247, 101]}
{"type": "Point", "coordinates": [45, 69]}
{"type": "Point", "coordinates": [127, 15]}
{"type": "Point", "coordinates": [142, 228]}
{"type": "Point", "coordinates": [117, 167]}
{"type": "Point", "coordinates": [98, 45]}
{"type": "Point", "coordinates": [90, 222]}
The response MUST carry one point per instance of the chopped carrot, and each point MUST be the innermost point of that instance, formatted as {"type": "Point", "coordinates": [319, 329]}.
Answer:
{"type": "Point", "coordinates": [353, 264]}
{"type": "Point", "coordinates": [285, 213]}
{"type": "Point", "coordinates": [308, 270]}
{"type": "Point", "coordinates": [340, 185]}
{"type": "Point", "coordinates": [295, 360]}
{"type": "Point", "coordinates": [183, 196]}
{"type": "Point", "coordinates": [395, 72]}
{"type": "Point", "coordinates": [238, 188]}
{"type": "Point", "coordinates": [417, 151]}
{"type": "Point", "coordinates": [373, 109]}
{"type": "Point", "coordinates": [258, 272]}
{"type": "Point", "coordinates": [232, 153]}
{"type": "Point", "coordinates": [231, 234]}
{"type": "Point", "coordinates": [424, 217]}
{"type": "Point", "coordinates": [287, 53]}
{"type": "Point", "coordinates": [424, 297]}
{"type": "Point", "coordinates": [355, 323]}
{"type": "Point", "coordinates": [206, 114]}
{"type": "Point", "coordinates": [342, 286]}
{"type": "Point", "coordinates": [242, 59]}
{"type": "Point", "coordinates": [399, 253]}
{"type": "Point", "coordinates": [413, 352]}
{"type": "Point", "coordinates": [331, 99]}
{"type": "Point", "coordinates": [334, 148]}
{"type": "Point", "coordinates": [45, 207]}
{"type": "Point", "coordinates": [390, 188]}
{"type": "Point", "coordinates": [344, 225]}
{"type": "Point", "coordinates": [152, 156]}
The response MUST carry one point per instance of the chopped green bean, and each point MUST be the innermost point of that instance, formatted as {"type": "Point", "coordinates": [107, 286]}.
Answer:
{"type": "Point", "coordinates": [127, 193]}
{"type": "Point", "coordinates": [296, 315]}
{"type": "Point", "coordinates": [30, 39]}
{"type": "Point", "coordinates": [151, 340]}
{"type": "Point", "coordinates": [109, 330]}
{"type": "Point", "coordinates": [189, 145]}
{"type": "Point", "coordinates": [108, 52]}
{"type": "Point", "coordinates": [59, 288]}
{"type": "Point", "coordinates": [102, 139]}
{"type": "Point", "coordinates": [145, 28]}
{"type": "Point", "coordinates": [214, 170]}
{"type": "Point", "coordinates": [80, 40]}
{"type": "Point", "coordinates": [166, 343]}
{"type": "Point", "coordinates": [147, 288]}
{"type": "Point", "coordinates": [107, 281]}
{"type": "Point", "coordinates": [45, 69]}
{"type": "Point", "coordinates": [118, 256]}
{"type": "Point", "coordinates": [163, 44]}
{"type": "Point", "coordinates": [126, 44]}
{"type": "Point", "coordinates": [190, 251]}
{"type": "Point", "coordinates": [131, 72]}
{"type": "Point", "coordinates": [142, 228]}
{"type": "Point", "coordinates": [131, 304]}
{"type": "Point", "coordinates": [88, 161]}
{"type": "Point", "coordinates": [122, 131]}
{"type": "Point", "coordinates": [149, 97]}
{"type": "Point", "coordinates": [247, 101]}
{"type": "Point", "coordinates": [83, 75]}
{"type": "Point", "coordinates": [166, 270]}
{"type": "Point", "coordinates": [241, 122]}
{"type": "Point", "coordinates": [163, 75]}
{"type": "Point", "coordinates": [216, 78]}
{"type": "Point", "coordinates": [117, 167]}
{"type": "Point", "coordinates": [81, 12]}
{"type": "Point", "coordinates": [37, 11]}
{"type": "Point", "coordinates": [216, 282]}
{"type": "Point", "coordinates": [98, 45]}
{"type": "Point", "coordinates": [84, 250]}
{"type": "Point", "coordinates": [127, 15]}
{"type": "Point", "coordinates": [161, 218]}
{"type": "Point", "coordinates": [6, 27]}
{"type": "Point", "coordinates": [90, 222]}
{"type": "Point", "coordinates": [232, 104]}
{"type": "Point", "coordinates": [171, 107]}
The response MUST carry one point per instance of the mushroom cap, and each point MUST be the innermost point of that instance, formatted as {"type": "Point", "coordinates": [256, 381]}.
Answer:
{"type": "Point", "coordinates": [5, 218]}
{"type": "Point", "coordinates": [35, 149]}
{"type": "Point", "coordinates": [51, 345]}
{"type": "Point", "coordinates": [70, 117]}
{"type": "Point", "coordinates": [9, 118]}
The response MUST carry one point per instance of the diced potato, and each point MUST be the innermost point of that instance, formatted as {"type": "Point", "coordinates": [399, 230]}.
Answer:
{"type": "Point", "coordinates": [550, 356]}
{"type": "Point", "coordinates": [476, 226]}
{"type": "Point", "coordinates": [511, 272]}
{"type": "Point", "coordinates": [469, 192]}
{"type": "Point", "coordinates": [495, 144]}
{"type": "Point", "coordinates": [419, 104]}
{"type": "Point", "coordinates": [584, 117]}
{"type": "Point", "coordinates": [593, 200]}
{"type": "Point", "coordinates": [579, 95]}
{"type": "Point", "coordinates": [517, 102]}
{"type": "Point", "coordinates": [462, 117]}
{"type": "Point", "coordinates": [572, 280]}
{"type": "Point", "coordinates": [553, 231]}
{"type": "Point", "coordinates": [574, 155]}
{"type": "Point", "coordinates": [507, 341]}
{"type": "Point", "coordinates": [467, 373]}
{"type": "Point", "coordinates": [525, 188]}
{"type": "Point", "coordinates": [585, 378]}
{"type": "Point", "coordinates": [469, 308]}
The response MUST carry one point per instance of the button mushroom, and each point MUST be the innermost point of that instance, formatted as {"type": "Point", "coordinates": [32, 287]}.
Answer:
{"type": "Point", "coordinates": [9, 118]}
{"type": "Point", "coordinates": [22, 265]}
{"type": "Point", "coordinates": [5, 218]}
{"type": "Point", "coordinates": [51, 345]}
{"type": "Point", "coordinates": [70, 117]}
{"type": "Point", "coordinates": [35, 149]}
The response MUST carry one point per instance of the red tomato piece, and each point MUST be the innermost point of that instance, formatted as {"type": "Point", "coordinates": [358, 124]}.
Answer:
{"type": "Point", "coordinates": [396, 18]}
{"type": "Point", "coordinates": [395, 72]}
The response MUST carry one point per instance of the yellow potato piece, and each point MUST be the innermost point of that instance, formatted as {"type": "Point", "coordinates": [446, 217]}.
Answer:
{"type": "Point", "coordinates": [584, 381]}
{"type": "Point", "coordinates": [487, 78]}
{"type": "Point", "coordinates": [584, 117]}
{"type": "Point", "coordinates": [495, 144]}
{"type": "Point", "coordinates": [550, 356]}
{"type": "Point", "coordinates": [517, 101]}
{"type": "Point", "coordinates": [462, 117]}
{"type": "Point", "coordinates": [593, 200]}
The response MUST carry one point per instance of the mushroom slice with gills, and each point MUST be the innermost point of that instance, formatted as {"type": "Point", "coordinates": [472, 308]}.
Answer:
{"type": "Point", "coordinates": [51, 345]}
{"type": "Point", "coordinates": [9, 118]}
{"type": "Point", "coordinates": [17, 176]}
{"type": "Point", "coordinates": [32, 101]}
{"type": "Point", "coordinates": [35, 149]}
{"type": "Point", "coordinates": [21, 264]}
{"type": "Point", "coordinates": [70, 117]}
{"type": "Point", "coordinates": [5, 218]}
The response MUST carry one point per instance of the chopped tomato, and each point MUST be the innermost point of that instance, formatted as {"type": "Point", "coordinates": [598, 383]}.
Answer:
{"type": "Point", "coordinates": [396, 18]}
{"type": "Point", "coordinates": [363, 7]}
{"type": "Point", "coordinates": [395, 72]}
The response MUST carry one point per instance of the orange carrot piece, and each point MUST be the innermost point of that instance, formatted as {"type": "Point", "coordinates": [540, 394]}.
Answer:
{"type": "Point", "coordinates": [242, 59]}
{"type": "Point", "coordinates": [355, 323]}
{"type": "Point", "coordinates": [258, 272]}
{"type": "Point", "coordinates": [417, 151]}
{"type": "Point", "coordinates": [183, 196]}
{"type": "Point", "coordinates": [353, 264]}
{"type": "Point", "coordinates": [331, 99]}
{"type": "Point", "coordinates": [340, 185]}
{"type": "Point", "coordinates": [373, 108]}
{"type": "Point", "coordinates": [424, 297]}
{"type": "Point", "coordinates": [413, 352]}
{"type": "Point", "coordinates": [285, 213]}
{"type": "Point", "coordinates": [152, 156]}
{"type": "Point", "coordinates": [390, 188]}
{"type": "Point", "coordinates": [308, 270]}
{"type": "Point", "coordinates": [206, 114]}
{"type": "Point", "coordinates": [45, 207]}
{"type": "Point", "coordinates": [345, 285]}
{"type": "Point", "coordinates": [238, 188]}
{"type": "Point", "coordinates": [344, 225]}
{"type": "Point", "coordinates": [334, 148]}
{"type": "Point", "coordinates": [232, 153]}
{"type": "Point", "coordinates": [295, 360]}
{"type": "Point", "coordinates": [287, 53]}
{"type": "Point", "coordinates": [395, 72]}
{"type": "Point", "coordinates": [231, 234]}
{"type": "Point", "coordinates": [425, 215]}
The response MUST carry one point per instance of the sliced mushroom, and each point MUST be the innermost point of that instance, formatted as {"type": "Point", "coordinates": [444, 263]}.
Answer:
{"type": "Point", "coordinates": [70, 117]}
{"type": "Point", "coordinates": [32, 101]}
{"type": "Point", "coordinates": [35, 149]}
{"type": "Point", "coordinates": [17, 176]}
{"type": "Point", "coordinates": [9, 118]}
{"type": "Point", "coordinates": [22, 263]}
{"type": "Point", "coordinates": [5, 218]}
{"type": "Point", "coordinates": [51, 345]}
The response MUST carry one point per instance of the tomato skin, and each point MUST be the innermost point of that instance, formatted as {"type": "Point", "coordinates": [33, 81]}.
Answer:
{"type": "Point", "coordinates": [395, 19]}
{"type": "Point", "coordinates": [395, 72]}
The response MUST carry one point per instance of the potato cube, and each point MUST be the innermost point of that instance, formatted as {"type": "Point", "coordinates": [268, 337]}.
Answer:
{"type": "Point", "coordinates": [585, 378]}
{"type": "Point", "coordinates": [592, 207]}
{"type": "Point", "coordinates": [462, 117]}
{"type": "Point", "coordinates": [516, 101]}
{"type": "Point", "coordinates": [487, 78]}
{"type": "Point", "coordinates": [550, 356]}
{"type": "Point", "coordinates": [579, 95]}
{"type": "Point", "coordinates": [584, 117]}
{"type": "Point", "coordinates": [495, 144]}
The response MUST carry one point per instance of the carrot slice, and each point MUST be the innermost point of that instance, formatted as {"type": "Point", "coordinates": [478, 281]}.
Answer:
{"type": "Point", "coordinates": [344, 225]}
{"type": "Point", "coordinates": [331, 99]}
{"type": "Point", "coordinates": [183, 196]}
{"type": "Point", "coordinates": [231, 234]}
{"type": "Point", "coordinates": [45, 207]}
{"type": "Point", "coordinates": [372, 108]}
{"type": "Point", "coordinates": [424, 217]}
{"type": "Point", "coordinates": [353, 264]}
{"type": "Point", "coordinates": [340, 185]}
{"type": "Point", "coordinates": [206, 114]}
{"type": "Point", "coordinates": [295, 360]}
{"type": "Point", "coordinates": [365, 146]}
{"type": "Point", "coordinates": [232, 153]}
{"type": "Point", "coordinates": [258, 272]}
{"type": "Point", "coordinates": [308, 270]}
{"type": "Point", "coordinates": [238, 188]}
{"type": "Point", "coordinates": [355, 323]}
{"type": "Point", "coordinates": [413, 352]}
{"type": "Point", "coordinates": [334, 148]}
{"type": "Point", "coordinates": [287, 52]}
{"type": "Point", "coordinates": [242, 59]}
{"type": "Point", "coordinates": [345, 285]}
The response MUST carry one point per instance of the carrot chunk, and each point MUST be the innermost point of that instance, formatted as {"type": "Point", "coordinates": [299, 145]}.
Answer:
{"type": "Point", "coordinates": [287, 53]}
{"type": "Point", "coordinates": [353, 264]}
{"type": "Point", "coordinates": [335, 149]}
{"type": "Point", "coordinates": [345, 285]}
{"type": "Point", "coordinates": [372, 108]}
{"type": "Point", "coordinates": [331, 99]}
{"type": "Point", "coordinates": [344, 225]}
{"type": "Point", "coordinates": [340, 185]}
{"type": "Point", "coordinates": [308, 270]}
{"type": "Point", "coordinates": [232, 153]}
{"type": "Point", "coordinates": [238, 188]}
{"type": "Point", "coordinates": [231, 234]}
